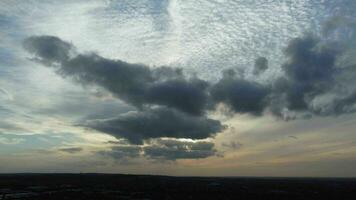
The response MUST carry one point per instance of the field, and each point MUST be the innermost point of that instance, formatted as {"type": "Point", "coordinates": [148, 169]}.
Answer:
{"type": "Point", "coordinates": [115, 186]}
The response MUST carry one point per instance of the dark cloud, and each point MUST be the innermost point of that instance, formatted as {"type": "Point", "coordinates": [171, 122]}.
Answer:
{"type": "Point", "coordinates": [48, 48]}
{"type": "Point", "coordinates": [315, 80]}
{"type": "Point", "coordinates": [241, 95]}
{"type": "Point", "coordinates": [162, 149]}
{"type": "Point", "coordinates": [184, 100]}
{"type": "Point", "coordinates": [128, 81]}
{"type": "Point", "coordinates": [136, 84]}
{"type": "Point", "coordinates": [156, 123]}
{"type": "Point", "coordinates": [123, 152]}
{"type": "Point", "coordinates": [71, 150]}
{"type": "Point", "coordinates": [175, 149]}
{"type": "Point", "coordinates": [140, 86]}
{"type": "Point", "coordinates": [188, 96]}
{"type": "Point", "coordinates": [261, 65]}
{"type": "Point", "coordinates": [309, 70]}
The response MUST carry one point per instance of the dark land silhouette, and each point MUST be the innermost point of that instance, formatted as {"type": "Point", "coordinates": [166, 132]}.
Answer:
{"type": "Point", "coordinates": [117, 186]}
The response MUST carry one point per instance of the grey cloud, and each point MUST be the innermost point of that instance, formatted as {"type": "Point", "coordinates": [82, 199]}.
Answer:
{"type": "Point", "coordinates": [241, 95]}
{"type": "Point", "coordinates": [344, 104]}
{"type": "Point", "coordinates": [128, 81]}
{"type": "Point", "coordinates": [123, 152]}
{"type": "Point", "coordinates": [188, 96]}
{"type": "Point", "coordinates": [157, 122]}
{"type": "Point", "coordinates": [184, 100]}
{"type": "Point", "coordinates": [162, 149]}
{"type": "Point", "coordinates": [48, 48]}
{"type": "Point", "coordinates": [318, 78]}
{"type": "Point", "coordinates": [261, 65]}
{"type": "Point", "coordinates": [139, 85]}
{"type": "Point", "coordinates": [136, 84]}
{"type": "Point", "coordinates": [348, 101]}
{"type": "Point", "coordinates": [71, 150]}
{"type": "Point", "coordinates": [315, 80]}
{"type": "Point", "coordinates": [309, 70]}
{"type": "Point", "coordinates": [175, 149]}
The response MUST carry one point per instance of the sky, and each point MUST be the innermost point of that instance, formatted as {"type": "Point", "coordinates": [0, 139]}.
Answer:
{"type": "Point", "coordinates": [175, 87]}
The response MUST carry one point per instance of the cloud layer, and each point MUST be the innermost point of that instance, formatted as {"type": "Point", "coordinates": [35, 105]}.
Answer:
{"type": "Point", "coordinates": [156, 123]}
{"type": "Point", "coordinates": [163, 149]}
{"type": "Point", "coordinates": [171, 104]}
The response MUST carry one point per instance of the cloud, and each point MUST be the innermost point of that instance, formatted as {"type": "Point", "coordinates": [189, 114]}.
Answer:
{"type": "Point", "coordinates": [335, 23]}
{"type": "Point", "coordinates": [188, 96]}
{"type": "Point", "coordinates": [157, 122]}
{"type": "Point", "coordinates": [136, 84]}
{"type": "Point", "coordinates": [171, 104]}
{"type": "Point", "coordinates": [309, 70]}
{"type": "Point", "coordinates": [71, 150]}
{"type": "Point", "coordinates": [11, 141]}
{"type": "Point", "coordinates": [316, 79]}
{"type": "Point", "coordinates": [48, 48]}
{"type": "Point", "coordinates": [241, 95]}
{"type": "Point", "coordinates": [25, 142]}
{"type": "Point", "coordinates": [183, 100]}
{"type": "Point", "coordinates": [6, 126]}
{"type": "Point", "coordinates": [162, 149]}
{"type": "Point", "coordinates": [345, 104]}
{"type": "Point", "coordinates": [261, 65]}
{"type": "Point", "coordinates": [175, 149]}
{"type": "Point", "coordinates": [123, 152]}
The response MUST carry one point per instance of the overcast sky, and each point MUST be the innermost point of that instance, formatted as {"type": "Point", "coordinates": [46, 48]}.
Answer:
{"type": "Point", "coordinates": [176, 87]}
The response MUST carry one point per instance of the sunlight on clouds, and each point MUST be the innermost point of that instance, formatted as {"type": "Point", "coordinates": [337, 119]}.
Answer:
{"type": "Point", "coordinates": [42, 113]}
